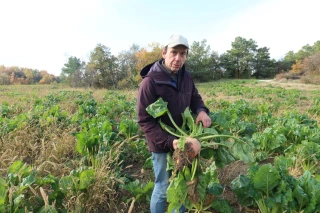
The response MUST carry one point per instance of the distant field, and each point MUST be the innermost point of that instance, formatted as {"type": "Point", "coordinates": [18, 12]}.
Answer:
{"type": "Point", "coordinates": [81, 150]}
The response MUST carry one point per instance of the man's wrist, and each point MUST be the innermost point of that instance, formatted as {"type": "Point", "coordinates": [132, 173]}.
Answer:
{"type": "Point", "coordinates": [201, 110]}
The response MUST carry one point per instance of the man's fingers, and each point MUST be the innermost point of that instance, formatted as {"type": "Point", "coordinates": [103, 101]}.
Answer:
{"type": "Point", "coordinates": [207, 123]}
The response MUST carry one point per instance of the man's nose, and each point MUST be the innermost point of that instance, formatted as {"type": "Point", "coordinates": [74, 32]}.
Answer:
{"type": "Point", "coordinates": [178, 57]}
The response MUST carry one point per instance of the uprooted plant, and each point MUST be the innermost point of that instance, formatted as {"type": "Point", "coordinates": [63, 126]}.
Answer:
{"type": "Point", "coordinates": [194, 182]}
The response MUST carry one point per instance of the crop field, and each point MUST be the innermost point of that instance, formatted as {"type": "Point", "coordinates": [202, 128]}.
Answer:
{"type": "Point", "coordinates": [76, 150]}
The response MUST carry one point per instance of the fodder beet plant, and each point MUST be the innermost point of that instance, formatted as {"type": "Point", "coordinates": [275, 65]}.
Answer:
{"type": "Point", "coordinates": [194, 183]}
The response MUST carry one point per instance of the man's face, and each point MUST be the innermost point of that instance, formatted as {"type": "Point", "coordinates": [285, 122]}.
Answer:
{"type": "Point", "coordinates": [175, 57]}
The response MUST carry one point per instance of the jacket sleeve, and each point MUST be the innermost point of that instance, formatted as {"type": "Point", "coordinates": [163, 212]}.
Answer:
{"type": "Point", "coordinates": [197, 104]}
{"type": "Point", "coordinates": [149, 125]}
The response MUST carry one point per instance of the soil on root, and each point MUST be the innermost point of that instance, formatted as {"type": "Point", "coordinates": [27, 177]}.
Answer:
{"type": "Point", "coordinates": [182, 158]}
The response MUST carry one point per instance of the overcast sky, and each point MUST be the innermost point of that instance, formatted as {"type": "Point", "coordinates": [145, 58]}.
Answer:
{"type": "Point", "coordinates": [43, 34]}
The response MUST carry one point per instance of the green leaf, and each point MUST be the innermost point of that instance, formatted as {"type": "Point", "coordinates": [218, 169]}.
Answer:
{"type": "Point", "coordinates": [223, 156]}
{"type": "Point", "coordinates": [243, 151]}
{"type": "Point", "coordinates": [202, 186]}
{"type": "Point", "coordinates": [212, 173]}
{"type": "Point", "coordinates": [181, 143]}
{"type": "Point", "coordinates": [27, 181]}
{"type": "Point", "coordinates": [17, 171]}
{"type": "Point", "coordinates": [81, 143]}
{"type": "Point", "coordinates": [222, 206]}
{"type": "Point", "coordinates": [48, 209]}
{"type": "Point", "coordinates": [187, 174]}
{"type": "Point", "coordinates": [148, 163]}
{"type": "Point", "coordinates": [157, 108]}
{"type": "Point", "coordinates": [189, 119]}
{"type": "Point", "coordinates": [211, 131]}
{"type": "Point", "coordinates": [266, 178]}
{"type": "Point", "coordinates": [17, 201]}
{"type": "Point", "coordinates": [139, 190]}
{"type": "Point", "coordinates": [86, 178]}
{"type": "Point", "coordinates": [177, 193]}
{"type": "Point", "coordinates": [241, 186]}
{"type": "Point", "coordinates": [15, 167]}
{"type": "Point", "coordinates": [215, 188]}
{"type": "Point", "coordinates": [67, 183]}
{"type": "Point", "coordinates": [170, 162]}
{"type": "Point", "coordinates": [3, 194]}
{"type": "Point", "coordinates": [50, 179]}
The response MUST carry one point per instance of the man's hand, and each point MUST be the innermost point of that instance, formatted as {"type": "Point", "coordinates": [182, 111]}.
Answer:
{"type": "Point", "coordinates": [175, 143]}
{"type": "Point", "coordinates": [195, 146]}
{"type": "Point", "coordinates": [204, 118]}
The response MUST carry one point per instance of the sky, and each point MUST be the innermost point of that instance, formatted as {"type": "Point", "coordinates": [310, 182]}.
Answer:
{"type": "Point", "coordinates": [43, 34]}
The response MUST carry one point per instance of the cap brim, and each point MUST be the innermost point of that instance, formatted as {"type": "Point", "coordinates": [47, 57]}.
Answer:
{"type": "Point", "coordinates": [177, 44]}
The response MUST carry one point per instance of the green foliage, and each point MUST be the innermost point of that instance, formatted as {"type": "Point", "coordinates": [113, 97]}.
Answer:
{"type": "Point", "coordinates": [191, 187]}
{"type": "Point", "coordinates": [102, 68]}
{"type": "Point", "coordinates": [5, 109]}
{"type": "Point", "coordinates": [274, 190]}
{"type": "Point", "coordinates": [74, 64]}
{"type": "Point", "coordinates": [139, 191]}
{"type": "Point", "coordinates": [15, 191]}
{"type": "Point", "coordinates": [205, 136]}
{"type": "Point", "coordinates": [200, 61]}
{"type": "Point", "coordinates": [158, 108]}
{"type": "Point", "coordinates": [245, 59]}
{"type": "Point", "coordinates": [96, 136]}
{"type": "Point", "coordinates": [128, 127]}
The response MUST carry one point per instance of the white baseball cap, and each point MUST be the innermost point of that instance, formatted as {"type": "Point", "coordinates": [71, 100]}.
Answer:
{"type": "Point", "coordinates": [176, 40]}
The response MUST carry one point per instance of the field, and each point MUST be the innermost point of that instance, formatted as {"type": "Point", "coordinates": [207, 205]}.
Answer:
{"type": "Point", "coordinates": [80, 150]}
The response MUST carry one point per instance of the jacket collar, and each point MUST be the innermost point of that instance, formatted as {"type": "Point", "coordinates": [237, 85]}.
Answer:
{"type": "Point", "coordinates": [156, 68]}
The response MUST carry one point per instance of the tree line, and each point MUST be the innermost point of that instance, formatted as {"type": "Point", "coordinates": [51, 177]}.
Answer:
{"type": "Point", "coordinates": [17, 75]}
{"type": "Point", "coordinates": [245, 59]}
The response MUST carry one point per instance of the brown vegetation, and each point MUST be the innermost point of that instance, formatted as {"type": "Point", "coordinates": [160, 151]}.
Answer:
{"type": "Point", "coordinates": [307, 70]}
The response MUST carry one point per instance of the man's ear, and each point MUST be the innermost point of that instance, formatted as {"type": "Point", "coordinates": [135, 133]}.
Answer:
{"type": "Point", "coordinates": [164, 52]}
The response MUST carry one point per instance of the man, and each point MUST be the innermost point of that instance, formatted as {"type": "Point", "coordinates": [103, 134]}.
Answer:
{"type": "Point", "coordinates": [168, 79]}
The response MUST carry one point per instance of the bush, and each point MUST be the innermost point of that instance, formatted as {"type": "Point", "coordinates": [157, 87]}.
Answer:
{"type": "Point", "coordinates": [4, 79]}
{"type": "Point", "coordinates": [310, 79]}
{"type": "Point", "coordinates": [311, 65]}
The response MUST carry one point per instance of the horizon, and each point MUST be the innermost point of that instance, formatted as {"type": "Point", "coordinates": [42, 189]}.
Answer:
{"type": "Point", "coordinates": [43, 35]}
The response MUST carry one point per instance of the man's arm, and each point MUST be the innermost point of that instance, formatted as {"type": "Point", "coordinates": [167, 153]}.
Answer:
{"type": "Point", "coordinates": [148, 124]}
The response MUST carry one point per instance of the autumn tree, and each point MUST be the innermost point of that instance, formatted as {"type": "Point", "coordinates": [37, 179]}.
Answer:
{"type": "Point", "coordinates": [146, 56]}
{"type": "Point", "coordinates": [128, 62]}
{"type": "Point", "coordinates": [47, 78]}
{"type": "Point", "coordinates": [103, 67]}
{"type": "Point", "coordinates": [291, 57]}
{"type": "Point", "coordinates": [297, 68]}
{"type": "Point", "coordinates": [29, 74]}
{"type": "Point", "coordinates": [4, 78]}
{"type": "Point", "coordinates": [285, 64]}
{"type": "Point", "coordinates": [311, 65]}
